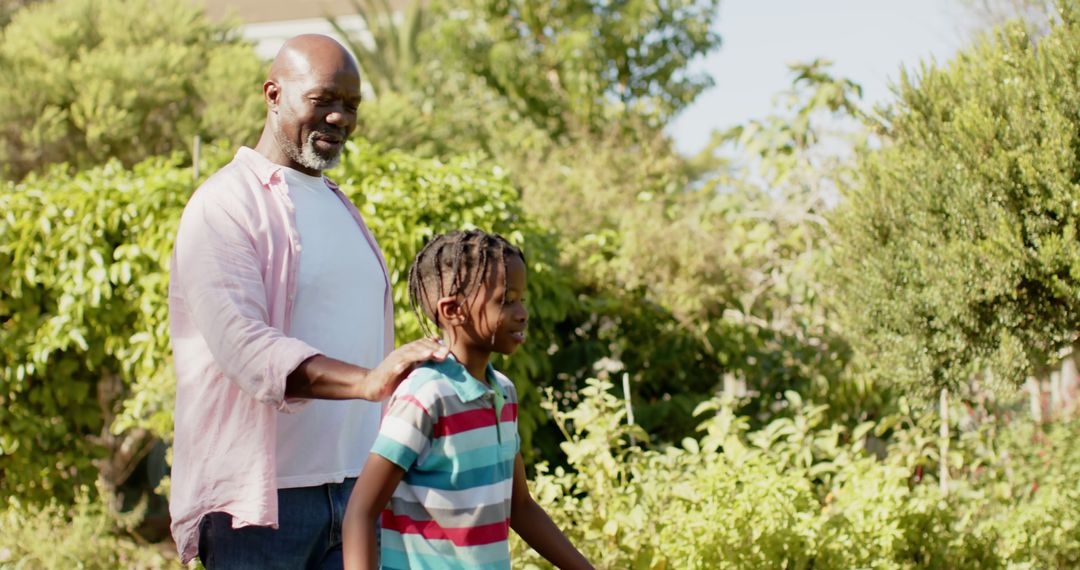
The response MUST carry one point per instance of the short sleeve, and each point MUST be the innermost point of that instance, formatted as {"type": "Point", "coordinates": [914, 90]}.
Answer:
{"type": "Point", "coordinates": [405, 433]}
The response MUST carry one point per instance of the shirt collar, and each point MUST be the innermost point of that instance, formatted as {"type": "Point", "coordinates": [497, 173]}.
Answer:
{"type": "Point", "coordinates": [265, 169]}
{"type": "Point", "coordinates": [464, 384]}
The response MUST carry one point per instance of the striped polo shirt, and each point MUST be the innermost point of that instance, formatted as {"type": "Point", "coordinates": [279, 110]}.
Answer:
{"type": "Point", "coordinates": [452, 507]}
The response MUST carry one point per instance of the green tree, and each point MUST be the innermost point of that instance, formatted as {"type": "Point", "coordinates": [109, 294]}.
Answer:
{"type": "Point", "coordinates": [90, 80]}
{"type": "Point", "coordinates": [957, 246]}
{"type": "Point", "coordinates": [503, 76]}
{"type": "Point", "coordinates": [566, 64]}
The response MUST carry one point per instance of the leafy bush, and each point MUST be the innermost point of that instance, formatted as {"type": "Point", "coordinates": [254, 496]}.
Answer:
{"type": "Point", "coordinates": [92, 80]}
{"type": "Point", "coordinates": [78, 535]}
{"type": "Point", "coordinates": [802, 493]}
{"type": "Point", "coordinates": [84, 323]}
{"type": "Point", "coordinates": [957, 247]}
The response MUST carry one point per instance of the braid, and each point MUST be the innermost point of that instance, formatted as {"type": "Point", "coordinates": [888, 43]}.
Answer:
{"type": "Point", "coordinates": [452, 264]}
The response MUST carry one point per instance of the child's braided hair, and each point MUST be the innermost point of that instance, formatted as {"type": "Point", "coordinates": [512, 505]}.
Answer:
{"type": "Point", "coordinates": [456, 263]}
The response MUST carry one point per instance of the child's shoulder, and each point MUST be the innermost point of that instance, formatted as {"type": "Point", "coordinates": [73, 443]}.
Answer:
{"type": "Point", "coordinates": [428, 377]}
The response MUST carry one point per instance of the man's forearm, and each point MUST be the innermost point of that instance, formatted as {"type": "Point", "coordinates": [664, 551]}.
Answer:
{"type": "Point", "coordinates": [324, 378]}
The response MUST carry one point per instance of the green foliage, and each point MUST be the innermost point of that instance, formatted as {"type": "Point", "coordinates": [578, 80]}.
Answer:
{"type": "Point", "coordinates": [504, 77]}
{"type": "Point", "coordinates": [79, 535]}
{"type": "Point", "coordinates": [766, 192]}
{"type": "Point", "coordinates": [567, 63]}
{"type": "Point", "coordinates": [9, 7]}
{"type": "Point", "coordinates": [957, 247]}
{"type": "Point", "coordinates": [727, 270]}
{"type": "Point", "coordinates": [801, 493]}
{"type": "Point", "coordinates": [93, 80]}
{"type": "Point", "coordinates": [83, 311]}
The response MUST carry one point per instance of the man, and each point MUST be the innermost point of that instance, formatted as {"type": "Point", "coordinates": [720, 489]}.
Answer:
{"type": "Point", "coordinates": [281, 320]}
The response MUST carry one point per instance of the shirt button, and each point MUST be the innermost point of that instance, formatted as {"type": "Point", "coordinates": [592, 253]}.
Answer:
{"type": "Point", "coordinates": [299, 248]}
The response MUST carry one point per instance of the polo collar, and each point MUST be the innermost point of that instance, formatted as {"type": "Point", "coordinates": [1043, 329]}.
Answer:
{"type": "Point", "coordinates": [464, 384]}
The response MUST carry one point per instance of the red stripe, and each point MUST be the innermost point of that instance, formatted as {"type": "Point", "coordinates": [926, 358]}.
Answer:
{"type": "Point", "coordinates": [430, 530]}
{"type": "Point", "coordinates": [463, 421]}
{"type": "Point", "coordinates": [471, 419]}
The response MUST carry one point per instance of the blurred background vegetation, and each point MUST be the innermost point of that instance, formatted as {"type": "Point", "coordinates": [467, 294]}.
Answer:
{"type": "Point", "coordinates": [802, 347]}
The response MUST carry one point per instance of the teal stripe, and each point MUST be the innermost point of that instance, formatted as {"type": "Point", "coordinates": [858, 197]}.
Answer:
{"type": "Point", "coordinates": [469, 440]}
{"type": "Point", "coordinates": [413, 551]}
{"type": "Point", "coordinates": [456, 481]}
{"type": "Point", "coordinates": [473, 459]}
{"type": "Point", "coordinates": [401, 455]}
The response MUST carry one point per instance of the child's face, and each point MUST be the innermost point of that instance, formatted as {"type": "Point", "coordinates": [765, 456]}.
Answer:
{"type": "Point", "coordinates": [497, 314]}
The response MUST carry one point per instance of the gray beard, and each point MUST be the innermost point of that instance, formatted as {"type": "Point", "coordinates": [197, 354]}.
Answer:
{"type": "Point", "coordinates": [307, 156]}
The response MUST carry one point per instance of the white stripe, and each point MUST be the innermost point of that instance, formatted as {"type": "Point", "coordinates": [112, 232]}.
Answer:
{"type": "Point", "coordinates": [403, 432]}
{"type": "Point", "coordinates": [486, 495]}
{"type": "Point", "coordinates": [444, 388]}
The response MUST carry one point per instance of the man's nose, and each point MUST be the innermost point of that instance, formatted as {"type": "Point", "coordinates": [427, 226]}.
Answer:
{"type": "Point", "coordinates": [343, 118]}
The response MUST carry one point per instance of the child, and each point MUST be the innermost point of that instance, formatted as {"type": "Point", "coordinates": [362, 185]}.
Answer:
{"type": "Point", "coordinates": [449, 432]}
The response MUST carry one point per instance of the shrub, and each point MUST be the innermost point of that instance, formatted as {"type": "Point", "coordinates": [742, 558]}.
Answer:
{"type": "Point", "coordinates": [957, 249]}
{"type": "Point", "coordinates": [801, 493]}
{"type": "Point", "coordinates": [78, 535]}
{"type": "Point", "coordinates": [91, 80]}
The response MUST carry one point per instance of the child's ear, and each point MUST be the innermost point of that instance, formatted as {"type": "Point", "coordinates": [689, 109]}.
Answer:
{"type": "Point", "coordinates": [451, 311]}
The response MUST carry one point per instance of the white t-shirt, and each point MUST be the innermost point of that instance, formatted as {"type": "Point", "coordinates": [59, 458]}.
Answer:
{"type": "Point", "coordinates": [339, 311]}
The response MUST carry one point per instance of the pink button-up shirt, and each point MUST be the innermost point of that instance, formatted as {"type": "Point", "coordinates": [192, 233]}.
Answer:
{"type": "Point", "coordinates": [231, 290]}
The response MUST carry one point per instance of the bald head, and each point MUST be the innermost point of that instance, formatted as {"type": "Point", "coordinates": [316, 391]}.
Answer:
{"type": "Point", "coordinates": [312, 93]}
{"type": "Point", "coordinates": [311, 53]}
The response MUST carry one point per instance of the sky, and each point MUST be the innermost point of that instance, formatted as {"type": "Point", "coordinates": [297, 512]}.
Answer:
{"type": "Point", "coordinates": [868, 41]}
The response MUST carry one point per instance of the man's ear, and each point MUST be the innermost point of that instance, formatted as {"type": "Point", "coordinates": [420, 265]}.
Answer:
{"type": "Point", "coordinates": [272, 94]}
{"type": "Point", "coordinates": [450, 311]}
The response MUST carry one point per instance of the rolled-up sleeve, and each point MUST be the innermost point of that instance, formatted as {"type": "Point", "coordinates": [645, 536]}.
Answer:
{"type": "Point", "coordinates": [220, 275]}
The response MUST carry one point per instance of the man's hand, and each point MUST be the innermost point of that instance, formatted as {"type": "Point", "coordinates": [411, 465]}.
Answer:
{"type": "Point", "coordinates": [325, 378]}
{"type": "Point", "coordinates": [384, 378]}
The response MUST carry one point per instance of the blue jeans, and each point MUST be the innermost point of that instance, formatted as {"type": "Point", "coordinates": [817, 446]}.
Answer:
{"type": "Point", "coordinates": [308, 534]}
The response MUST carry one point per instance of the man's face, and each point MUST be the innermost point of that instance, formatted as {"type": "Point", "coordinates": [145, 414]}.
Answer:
{"type": "Point", "coordinates": [316, 113]}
